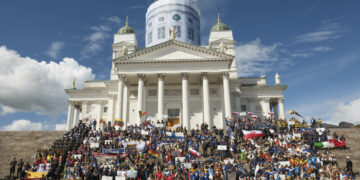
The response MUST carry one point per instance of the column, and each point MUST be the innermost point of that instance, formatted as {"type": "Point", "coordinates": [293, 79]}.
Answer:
{"type": "Point", "coordinates": [185, 102]}
{"type": "Point", "coordinates": [120, 97]}
{"type": "Point", "coordinates": [110, 112]}
{"type": "Point", "coordinates": [84, 111]}
{"type": "Point", "coordinates": [140, 95]}
{"type": "Point", "coordinates": [160, 95]}
{"type": "Point", "coordinates": [237, 103]}
{"type": "Point", "coordinates": [227, 101]}
{"type": "Point", "coordinates": [76, 115]}
{"type": "Point", "coordinates": [276, 111]}
{"type": "Point", "coordinates": [265, 106]}
{"type": "Point", "coordinates": [99, 116]}
{"type": "Point", "coordinates": [281, 108]}
{"type": "Point", "coordinates": [252, 105]}
{"type": "Point", "coordinates": [206, 99]}
{"type": "Point", "coordinates": [125, 106]}
{"type": "Point", "coordinates": [70, 114]}
{"type": "Point", "coordinates": [221, 87]}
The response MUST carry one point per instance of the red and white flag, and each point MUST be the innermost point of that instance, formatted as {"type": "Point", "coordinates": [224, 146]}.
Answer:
{"type": "Point", "coordinates": [271, 114]}
{"type": "Point", "coordinates": [252, 134]}
{"type": "Point", "coordinates": [195, 153]}
{"type": "Point", "coordinates": [250, 113]}
{"type": "Point", "coordinates": [235, 113]}
{"type": "Point", "coordinates": [254, 117]}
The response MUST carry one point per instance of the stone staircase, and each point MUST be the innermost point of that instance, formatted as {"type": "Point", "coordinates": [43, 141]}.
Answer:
{"type": "Point", "coordinates": [23, 144]}
{"type": "Point", "coordinates": [352, 136]}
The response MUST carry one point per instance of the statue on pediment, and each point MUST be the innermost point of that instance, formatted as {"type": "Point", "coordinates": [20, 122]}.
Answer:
{"type": "Point", "coordinates": [223, 47]}
{"type": "Point", "coordinates": [124, 50]}
{"type": "Point", "coordinates": [172, 34]}
{"type": "Point", "coordinates": [277, 79]}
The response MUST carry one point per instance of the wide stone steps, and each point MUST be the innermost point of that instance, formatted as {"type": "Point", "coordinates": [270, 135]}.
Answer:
{"type": "Point", "coordinates": [23, 144]}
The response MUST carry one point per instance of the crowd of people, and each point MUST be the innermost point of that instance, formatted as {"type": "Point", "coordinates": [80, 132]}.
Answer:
{"type": "Point", "coordinates": [246, 149]}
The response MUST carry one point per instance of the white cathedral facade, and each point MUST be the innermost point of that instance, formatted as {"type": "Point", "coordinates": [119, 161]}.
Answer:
{"type": "Point", "coordinates": [174, 77]}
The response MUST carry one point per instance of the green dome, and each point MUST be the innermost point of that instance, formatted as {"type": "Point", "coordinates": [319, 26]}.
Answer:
{"type": "Point", "coordinates": [220, 27]}
{"type": "Point", "coordinates": [126, 29]}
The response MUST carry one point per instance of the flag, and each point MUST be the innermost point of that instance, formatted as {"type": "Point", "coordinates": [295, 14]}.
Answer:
{"type": "Point", "coordinates": [36, 175]}
{"type": "Point", "coordinates": [271, 114]}
{"type": "Point", "coordinates": [173, 121]}
{"type": "Point", "coordinates": [235, 113]}
{"type": "Point", "coordinates": [250, 113]}
{"type": "Point", "coordinates": [330, 143]}
{"type": "Point", "coordinates": [153, 153]}
{"type": "Point", "coordinates": [296, 113]}
{"type": "Point", "coordinates": [252, 134]}
{"type": "Point", "coordinates": [123, 155]}
{"type": "Point", "coordinates": [142, 113]}
{"type": "Point", "coordinates": [195, 153]}
{"type": "Point", "coordinates": [102, 121]}
{"type": "Point", "coordinates": [254, 117]}
{"type": "Point", "coordinates": [119, 122]}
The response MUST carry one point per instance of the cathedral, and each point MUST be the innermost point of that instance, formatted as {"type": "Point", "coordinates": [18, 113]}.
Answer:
{"type": "Point", "coordinates": [174, 77]}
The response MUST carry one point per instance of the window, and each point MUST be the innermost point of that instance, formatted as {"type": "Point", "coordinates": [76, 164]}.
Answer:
{"type": "Point", "coordinates": [161, 19]}
{"type": "Point", "coordinates": [149, 37]}
{"type": "Point", "coordinates": [194, 91]}
{"type": "Point", "coordinates": [190, 20]}
{"type": "Point", "coordinates": [173, 112]}
{"type": "Point", "coordinates": [178, 31]}
{"type": "Point", "coordinates": [161, 32]}
{"type": "Point", "coordinates": [172, 92]}
{"type": "Point", "coordinates": [105, 109]}
{"type": "Point", "coordinates": [190, 33]}
{"type": "Point", "coordinates": [176, 17]}
{"type": "Point", "coordinates": [213, 91]}
{"type": "Point", "coordinates": [152, 92]}
{"type": "Point", "coordinates": [243, 108]}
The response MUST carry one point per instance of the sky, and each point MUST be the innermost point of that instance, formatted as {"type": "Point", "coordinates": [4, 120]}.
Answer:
{"type": "Point", "coordinates": [313, 45]}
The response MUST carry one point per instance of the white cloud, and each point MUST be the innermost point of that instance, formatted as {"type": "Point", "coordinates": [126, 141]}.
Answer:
{"type": "Point", "coordinates": [114, 19]}
{"type": "Point", "coordinates": [28, 85]}
{"type": "Point", "coordinates": [321, 49]}
{"type": "Point", "coordinates": [60, 127]}
{"type": "Point", "coordinates": [347, 112]}
{"type": "Point", "coordinates": [255, 58]}
{"type": "Point", "coordinates": [55, 48]}
{"type": "Point", "coordinates": [23, 125]}
{"type": "Point", "coordinates": [95, 41]}
{"type": "Point", "coordinates": [327, 31]}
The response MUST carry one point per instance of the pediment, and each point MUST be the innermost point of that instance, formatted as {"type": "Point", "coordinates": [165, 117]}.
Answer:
{"type": "Point", "coordinates": [174, 51]}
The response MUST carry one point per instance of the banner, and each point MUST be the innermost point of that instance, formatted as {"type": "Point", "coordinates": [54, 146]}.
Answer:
{"type": "Point", "coordinates": [36, 175]}
{"type": "Point", "coordinates": [77, 156]}
{"type": "Point", "coordinates": [226, 161]}
{"type": "Point", "coordinates": [221, 147]}
{"type": "Point", "coordinates": [139, 145]}
{"type": "Point", "coordinates": [143, 132]}
{"type": "Point", "coordinates": [113, 151]}
{"type": "Point", "coordinates": [172, 135]}
{"type": "Point", "coordinates": [94, 145]}
{"type": "Point", "coordinates": [181, 159]}
{"type": "Point", "coordinates": [158, 125]}
{"type": "Point", "coordinates": [187, 165]}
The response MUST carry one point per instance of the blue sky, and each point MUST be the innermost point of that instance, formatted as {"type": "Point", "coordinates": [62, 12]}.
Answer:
{"type": "Point", "coordinates": [314, 45]}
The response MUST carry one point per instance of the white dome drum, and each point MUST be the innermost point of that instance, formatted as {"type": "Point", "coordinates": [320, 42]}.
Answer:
{"type": "Point", "coordinates": [180, 15]}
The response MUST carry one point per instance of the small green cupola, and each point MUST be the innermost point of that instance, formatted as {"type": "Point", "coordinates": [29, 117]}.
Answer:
{"type": "Point", "coordinates": [219, 26]}
{"type": "Point", "coordinates": [126, 29]}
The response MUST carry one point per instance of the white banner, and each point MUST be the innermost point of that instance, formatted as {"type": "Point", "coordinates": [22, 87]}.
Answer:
{"type": "Point", "coordinates": [77, 156]}
{"type": "Point", "coordinates": [243, 114]}
{"type": "Point", "coordinates": [221, 147]}
{"type": "Point", "coordinates": [143, 132]}
{"type": "Point", "coordinates": [94, 145]}
{"type": "Point", "coordinates": [108, 141]}
{"type": "Point", "coordinates": [187, 165]}
{"type": "Point", "coordinates": [159, 125]}
{"type": "Point", "coordinates": [139, 145]}
{"type": "Point", "coordinates": [181, 159]}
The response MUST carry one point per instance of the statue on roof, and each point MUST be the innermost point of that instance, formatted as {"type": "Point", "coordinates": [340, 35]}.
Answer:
{"type": "Point", "coordinates": [223, 47]}
{"type": "Point", "coordinates": [277, 79]}
{"type": "Point", "coordinates": [124, 50]}
{"type": "Point", "coordinates": [73, 83]}
{"type": "Point", "coordinates": [172, 34]}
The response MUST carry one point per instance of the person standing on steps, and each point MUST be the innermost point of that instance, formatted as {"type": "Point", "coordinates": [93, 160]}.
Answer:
{"type": "Point", "coordinates": [12, 167]}
{"type": "Point", "coordinates": [349, 165]}
{"type": "Point", "coordinates": [20, 166]}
